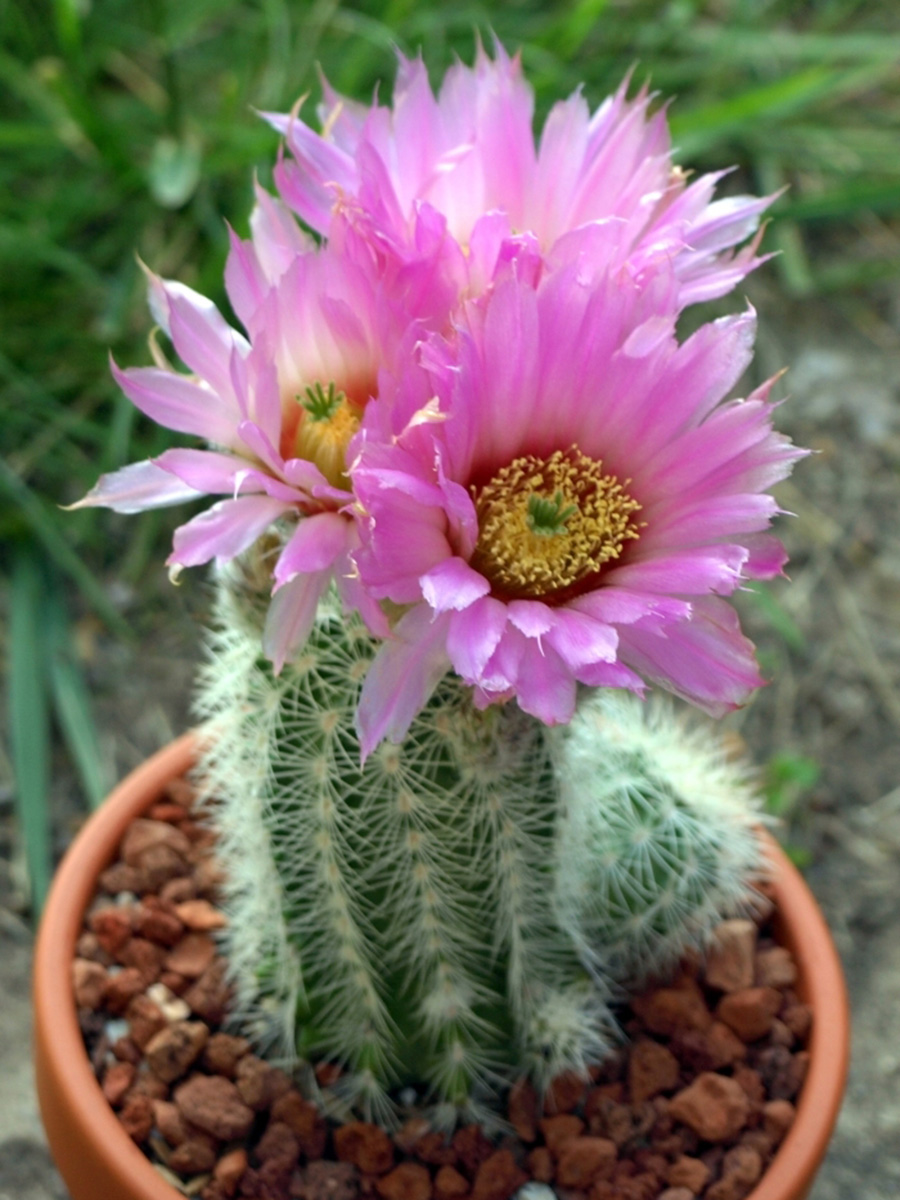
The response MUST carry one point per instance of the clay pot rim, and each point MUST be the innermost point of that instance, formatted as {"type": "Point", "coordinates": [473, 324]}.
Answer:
{"type": "Point", "coordinates": [90, 1144]}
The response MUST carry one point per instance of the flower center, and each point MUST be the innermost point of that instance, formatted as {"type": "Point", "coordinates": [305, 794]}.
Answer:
{"type": "Point", "coordinates": [546, 525]}
{"type": "Point", "coordinates": [326, 426]}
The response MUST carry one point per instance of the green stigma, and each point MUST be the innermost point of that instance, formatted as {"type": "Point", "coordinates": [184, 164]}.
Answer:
{"type": "Point", "coordinates": [546, 516]}
{"type": "Point", "coordinates": [321, 404]}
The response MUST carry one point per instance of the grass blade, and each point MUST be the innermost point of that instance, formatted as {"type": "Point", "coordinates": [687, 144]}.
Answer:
{"type": "Point", "coordinates": [29, 721]}
{"type": "Point", "coordinates": [72, 703]}
{"type": "Point", "coordinates": [58, 548]}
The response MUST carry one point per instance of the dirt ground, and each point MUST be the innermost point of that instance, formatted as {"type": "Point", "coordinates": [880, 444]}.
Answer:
{"type": "Point", "coordinates": [833, 649]}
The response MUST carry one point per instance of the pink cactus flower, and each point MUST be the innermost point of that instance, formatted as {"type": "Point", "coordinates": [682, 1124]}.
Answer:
{"type": "Point", "coordinates": [465, 164]}
{"type": "Point", "coordinates": [277, 412]}
{"type": "Point", "coordinates": [562, 495]}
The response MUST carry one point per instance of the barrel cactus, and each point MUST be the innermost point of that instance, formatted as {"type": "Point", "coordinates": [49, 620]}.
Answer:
{"type": "Point", "coordinates": [474, 492]}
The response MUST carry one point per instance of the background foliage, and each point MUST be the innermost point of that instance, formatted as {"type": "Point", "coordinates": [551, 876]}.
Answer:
{"type": "Point", "coordinates": [127, 127]}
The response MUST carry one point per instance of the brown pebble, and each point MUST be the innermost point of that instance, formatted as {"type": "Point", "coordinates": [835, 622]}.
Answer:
{"type": "Point", "coordinates": [121, 989]}
{"type": "Point", "coordinates": [498, 1177]}
{"type": "Point", "coordinates": [749, 1012]}
{"type": "Point", "coordinates": [608, 1118]}
{"type": "Point", "coordinates": [121, 878]}
{"type": "Point", "coordinates": [652, 1068]}
{"type": "Point", "coordinates": [222, 1052]}
{"type": "Point", "coordinates": [145, 956]}
{"type": "Point", "coordinates": [136, 1117]}
{"type": "Point", "coordinates": [566, 1092]}
{"type": "Point", "coordinates": [304, 1120]}
{"type": "Point", "coordinates": [158, 924]}
{"type": "Point", "coordinates": [798, 1018]}
{"type": "Point", "coordinates": [472, 1147]}
{"type": "Point", "coordinates": [145, 1020]}
{"type": "Point", "coordinates": [677, 1193]}
{"type": "Point", "coordinates": [111, 927]}
{"type": "Point", "coordinates": [540, 1163]}
{"type": "Point", "coordinates": [89, 983]}
{"type": "Point", "coordinates": [170, 1123]}
{"type": "Point", "coordinates": [193, 1156]}
{"type": "Point", "coordinates": [778, 1117]}
{"type": "Point", "coordinates": [449, 1184]}
{"type": "Point", "coordinates": [559, 1130]}
{"type": "Point", "coordinates": [177, 890]}
{"type": "Point", "coordinates": [166, 811]}
{"type": "Point", "coordinates": [364, 1145]}
{"type": "Point", "coordinates": [117, 1080]}
{"type": "Point", "coordinates": [193, 954]}
{"type": "Point", "coordinates": [434, 1149]}
{"type": "Point", "coordinates": [327, 1181]}
{"type": "Point", "coordinates": [149, 1085]}
{"type": "Point", "coordinates": [714, 1106]}
{"type": "Point", "coordinates": [522, 1109]}
{"type": "Point", "coordinates": [410, 1133]}
{"type": "Point", "coordinates": [159, 864]}
{"type": "Point", "coordinates": [742, 1163]}
{"type": "Point", "coordinates": [229, 1170]}
{"type": "Point", "coordinates": [409, 1181]}
{"type": "Point", "coordinates": [775, 967]}
{"type": "Point", "coordinates": [672, 1010]}
{"type": "Point", "coordinates": [143, 835]}
{"type": "Point", "coordinates": [259, 1083]}
{"type": "Point", "coordinates": [688, 1172]}
{"type": "Point", "coordinates": [88, 946]}
{"type": "Point", "coordinates": [729, 962]}
{"type": "Point", "coordinates": [709, 1049]}
{"type": "Point", "coordinates": [200, 916]}
{"type": "Point", "coordinates": [213, 1104]}
{"type": "Point", "coordinates": [209, 995]}
{"type": "Point", "coordinates": [751, 1082]}
{"type": "Point", "coordinates": [174, 1049]}
{"type": "Point", "coordinates": [279, 1144]}
{"type": "Point", "coordinates": [584, 1160]}
{"type": "Point", "coordinates": [125, 1050]}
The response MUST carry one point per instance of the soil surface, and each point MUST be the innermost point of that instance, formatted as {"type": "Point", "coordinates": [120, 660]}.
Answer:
{"type": "Point", "coordinates": [832, 649]}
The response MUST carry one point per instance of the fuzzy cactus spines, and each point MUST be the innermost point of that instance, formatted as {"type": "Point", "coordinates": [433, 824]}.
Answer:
{"type": "Point", "coordinates": [436, 917]}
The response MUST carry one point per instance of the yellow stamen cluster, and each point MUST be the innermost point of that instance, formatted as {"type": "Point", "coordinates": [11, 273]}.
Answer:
{"type": "Point", "coordinates": [328, 423]}
{"type": "Point", "coordinates": [547, 524]}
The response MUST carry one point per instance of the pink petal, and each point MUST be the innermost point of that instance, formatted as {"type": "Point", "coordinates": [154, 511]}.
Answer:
{"type": "Point", "coordinates": [211, 472]}
{"type": "Point", "coordinates": [705, 660]}
{"type": "Point", "coordinates": [403, 674]}
{"type": "Point", "coordinates": [135, 488]}
{"type": "Point", "coordinates": [313, 546]}
{"type": "Point", "coordinates": [290, 617]}
{"type": "Point", "coordinates": [474, 635]}
{"type": "Point", "coordinates": [224, 530]}
{"type": "Point", "coordinates": [453, 584]}
{"type": "Point", "coordinates": [177, 403]}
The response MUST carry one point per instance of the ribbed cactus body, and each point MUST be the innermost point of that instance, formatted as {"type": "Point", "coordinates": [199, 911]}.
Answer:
{"type": "Point", "coordinates": [450, 914]}
{"type": "Point", "coordinates": [395, 916]}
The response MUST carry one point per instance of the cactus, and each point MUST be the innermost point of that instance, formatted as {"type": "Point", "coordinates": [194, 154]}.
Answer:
{"type": "Point", "coordinates": [658, 837]}
{"type": "Point", "coordinates": [451, 914]}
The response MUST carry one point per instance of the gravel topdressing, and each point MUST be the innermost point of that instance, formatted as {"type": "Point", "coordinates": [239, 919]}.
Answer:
{"type": "Point", "coordinates": [694, 1105]}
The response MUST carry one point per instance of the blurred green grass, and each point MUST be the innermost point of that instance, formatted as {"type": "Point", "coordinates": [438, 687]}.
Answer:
{"type": "Point", "coordinates": [127, 127]}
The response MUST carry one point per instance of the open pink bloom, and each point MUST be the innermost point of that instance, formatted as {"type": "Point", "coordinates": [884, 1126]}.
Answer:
{"type": "Point", "coordinates": [465, 163]}
{"type": "Point", "coordinates": [562, 496]}
{"type": "Point", "coordinates": [277, 412]}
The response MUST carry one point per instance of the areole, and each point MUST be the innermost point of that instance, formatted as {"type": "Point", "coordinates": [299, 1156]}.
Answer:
{"type": "Point", "coordinates": [96, 1157]}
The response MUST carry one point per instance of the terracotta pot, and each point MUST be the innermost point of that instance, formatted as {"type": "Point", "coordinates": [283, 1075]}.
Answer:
{"type": "Point", "coordinates": [98, 1160]}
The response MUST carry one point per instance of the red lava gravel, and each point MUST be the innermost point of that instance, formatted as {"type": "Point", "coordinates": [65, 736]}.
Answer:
{"type": "Point", "coordinates": [693, 1106]}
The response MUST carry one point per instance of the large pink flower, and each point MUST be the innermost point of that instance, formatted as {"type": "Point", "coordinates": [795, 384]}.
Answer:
{"type": "Point", "coordinates": [465, 162]}
{"type": "Point", "coordinates": [562, 496]}
{"type": "Point", "coordinates": [277, 412]}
